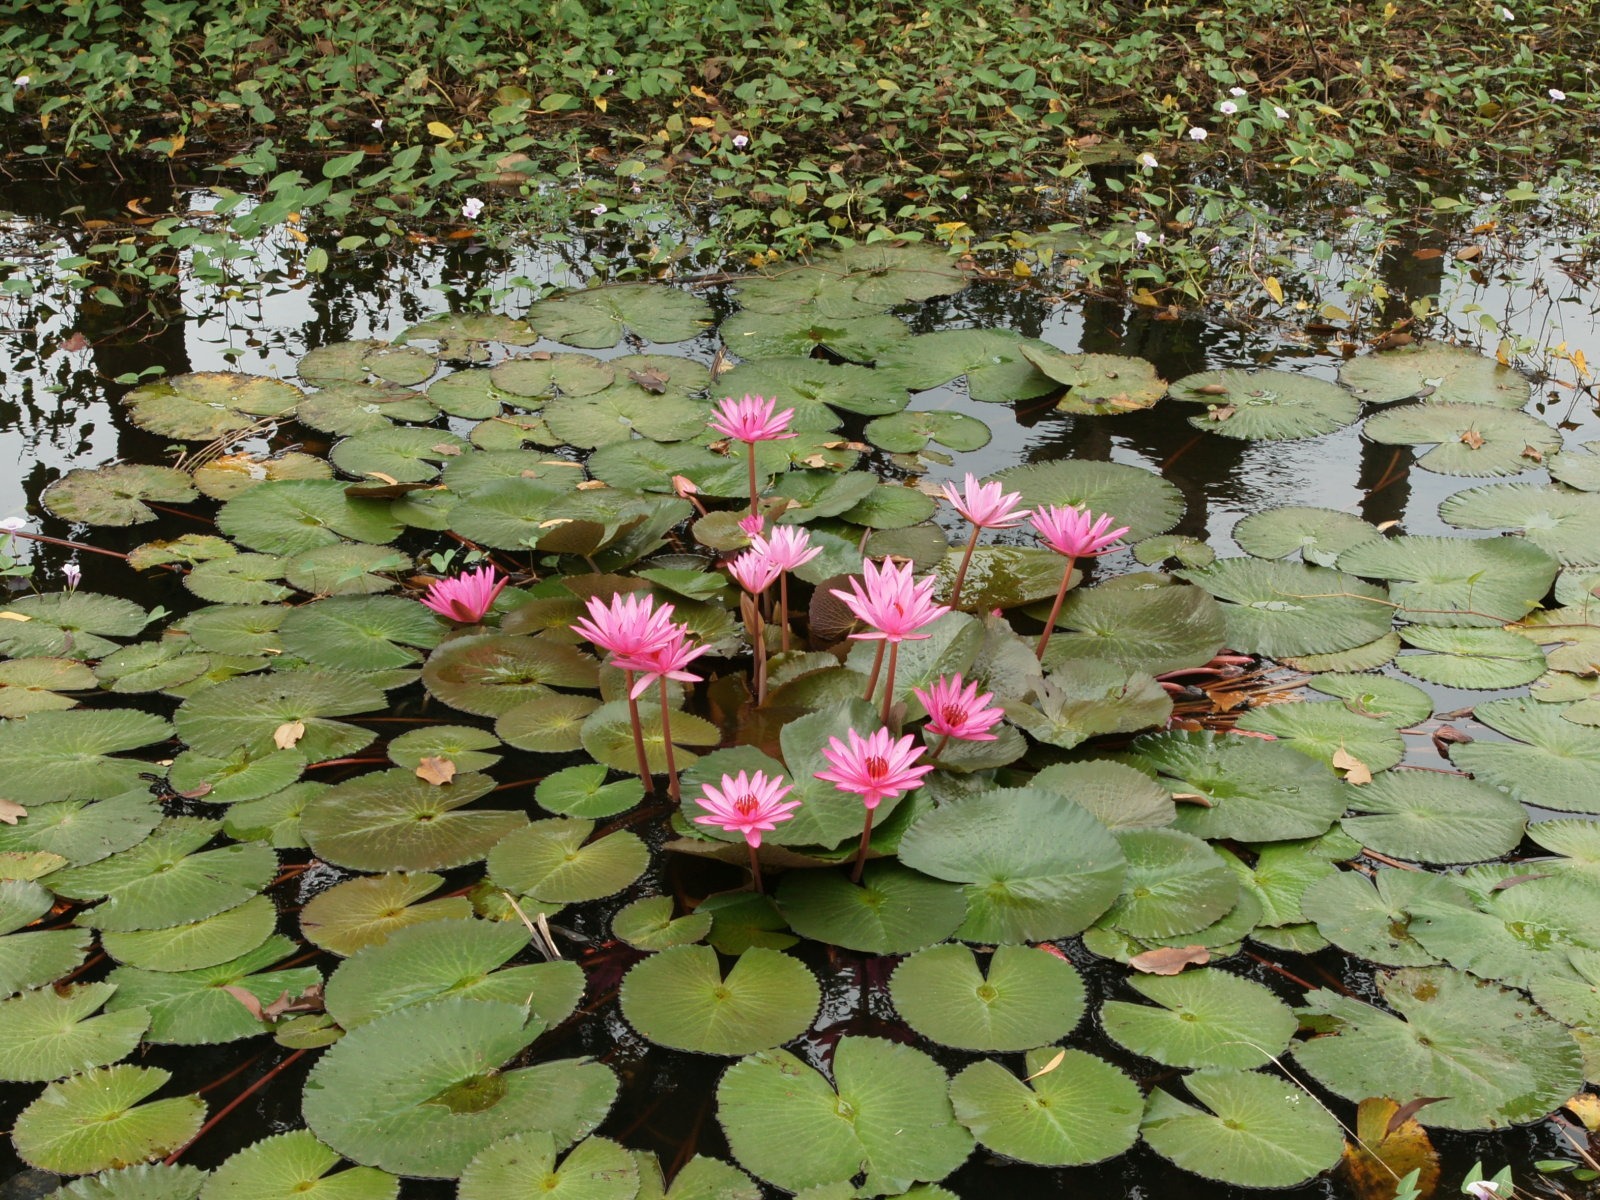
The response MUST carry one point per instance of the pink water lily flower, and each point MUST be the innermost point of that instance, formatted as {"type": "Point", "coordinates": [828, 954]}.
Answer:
{"type": "Point", "coordinates": [465, 597]}
{"type": "Point", "coordinates": [752, 525]}
{"type": "Point", "coordinates": [1075, 532]}
{"type": "Point", "coordinates": [754, 571]}
{"type": "Point", "coordinates": [788, 547]}
{"type": "Point", "coordinates": [957, 711]}
{"type": "Point", "coordinates": [876, 767]}
{"type": "Point", "coordinates": [631, 624]}
{"type": "Point", "coordinates": [666, 660]}
{"type": "Point", "coordinates": [751, 419]}
{"type": "Point", "coordinates": [892, 602]}
{"type": "Point", "coordinates": [747, 804]}
{"type": "Point", "coordinates": [986, 505]}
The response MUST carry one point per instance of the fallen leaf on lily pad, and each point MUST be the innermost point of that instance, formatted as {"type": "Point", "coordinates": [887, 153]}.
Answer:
{"type": "Point", "coordinates": [1169, 960]}
{"type": "Point", "coordinates": [436, 770]}
{"type": "Point", "coordinates": [1355, 771]}
{"type": "Point", "coordinates": [10, 810]}
{"type": "Point", "coordinates": [288, 734]}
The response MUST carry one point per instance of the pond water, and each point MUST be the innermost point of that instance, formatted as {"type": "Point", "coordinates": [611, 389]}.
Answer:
{"type": "Point", "coordinates": [61, 409]}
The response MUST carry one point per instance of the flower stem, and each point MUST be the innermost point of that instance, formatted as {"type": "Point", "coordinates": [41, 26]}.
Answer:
{"type": "Point", "coordinates": [638, 734]}
{"type": "Point", "coordinates": [666, 741]}
{"type": "Point", "coordinates": [759, 645]}
{"type": "Point", "coordinates": [872, 679]}
{"type": "Point", "coordinates": [944, 740]}
{"type": "Point", "coordinates": [751, 447]}
{"type": "Point", "coordinates": [861, 852]}
{"type": "Point", "coordinates": [1055, 609]}
{"type": "Point", "coordinates": [961, 574]}
{"type": "Point", "coordinates": [888, 684]}
{"type": "Point", "coordinates": [755, 868]}
{"type": "Point", "coordinates": [783, 608]}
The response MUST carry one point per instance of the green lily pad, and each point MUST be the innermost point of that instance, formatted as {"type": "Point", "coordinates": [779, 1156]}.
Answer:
{"type": "Point", "coordinates": [740, 920]}
{"type": "Point", "coordinates": [196, 944]}
{"type": "Point", "coordinates": [1376, 653]}
{"type": "Point", "coordinates": [1426, 817]}
{"type": "Point", "coordinates": [647, 466]}
{"type": "Point", "coordinates": [1256, 791]}
{"type": "Point", "coordinates": [337, 362]}
{"type": "Point", "coordinates": [1266, 405]}
{"type": "Point", "coordinates": [1098, 385]}
{"type": "Point", "coordinates": [1001, 576]}
{"type": "Point", "coordinates": [248, 711]}
{"type": "Point", "coordinates": [1516, 936]}
{"type": "Point", "coordinates": [1035, 865]}
{"type": "Point", "coordinates": [1175, 884]}
{"type": "Point", "coordinates": [600, 317]}
{"type": "Point", "coordinates": [1186, 551]}
{"type": "Point", "coordinates": [68, 625]}
{"type": "Point", "coordinates": [1577, 468]}
{"type": "Point", "coordinates": [154, 666]}
{"type": "Point", "coordinates": [1371, 918]}
{"type": "Point", "coordinates": [241, 579]}
{"type": "Point", "coordinates": [463, 745]}
{"type": "Point", "coordinates": [399, 365]}
{"type": "Point", "coordinates": [491, 674]}
{"type": "Point", "coordinates": [437, 960]}
{"type": "Point", "coordinates": [1468, 439]}
{"type": "Point", "coordinates": [991, 360]}
{"type": "Point", "coordinates": [888, 273]}
{"type": "Point", "coordinates": [1280, 876]}
{"type": "Point", "coordinates": [51, 1032]}
{"type": "Point", "coordinates": [421, 1091]}
{"type": "Point", "coordinates": [680, 999]}
{"type": "Point", "coordinates": [1567, 524]}
{"type": "Point", "coordinates": [54, 756]}
{"type": "Point", "coordinates": [288, 1166]}
{"type": "Point", "coordinates": [816, 389]}
{"type": "Point", "coordinates": [145, 1181]}
{"type": "Point", "coordinates": [1204, 1018]}
{"type": "Point", "coordinates": [188, 549]}
{"type": "Point", "coordinates": [1139, 499]}
{"type": "Point", "coordinates": [1552, 763]}
{"type": "Point", "coordinates": [472, 395]}
{"type": "Point", "coordinates": [457, 331]}
{"type": "Point", "coordinates": [365, 911]}
{"type": "Point", "coordinates": [115, 495]}
{"type": "Point", "coordinates": [273, 819]}
{"type": "Point", "coordinates": [392, 820]}
{"type": "Point", "coordinates": [545, 375]}
{"type": "Point", "coordinates": [1140, 622]}
{"type": "Point", "coordinates": [1495, 1059]}
{"type": "Point", "coordinates": [1070, 1110]}
{"type": "Point", "coordinates": [889, 506]}
{"type": "Point", "coordinates": [1470, 658]}
{"type": "Point", "coordinates": [795, 286]}
{"type": "Point", "coordinates": [1392, 702]}
{"type": "Point", "coordinates": [1253, 1131]}
{"type": "Point", "coordinates": [346, 569]}
{"type": "Point", "coordinates": [349, 408]}
{"type": "Point", "coordinates": [32, 685]}
{"type": "Point", "coordinates": [582, 791]}
{"type": "Point", "coordinates": [1324, 729]}
{"type": "Point", "coordinates": [648, 924]}
{"type": "Point", "coordinates": [523, 1167]}
{"type": "Point", "coordinates": [1319, 534]}
{"type": "Point", "coordinates": [404, 454]}
{"type": "Point", "coordinates": [1117, 795]}
{"type": "Point", "coordinates": [1282, 608]}
{"type": "Point", "coordinates": [550, 861]}
{"type": "Point", "coordinates": [226, 477]}
{"type": "Point", "coordinates": [235, 630]}
{"type": "Point", "coordinates": [94, 1120]}
{"type": "Point", "coordinates": [1440, 373]}
{"type": "Point", "coordinates": [890, 1118]}
{"type": "Point", "coordinates": [607, 734]}
{"type": "Point", "coordinates": [295, 515]}
{"type": "Point", "coordinates": [1090, 698]}
{"type": "Point", "coordinates": [207, 405]}
{"type": "Point", "coordinates": [81, 832]}
{"type": "Point", "coordinates": [1027, 998]}
{"type": "Point", "coordinates": [360, 633]}
{"type": "Point", "coordinates": [797, 333]}
{"type": "Point", "coordinates": [892, 910]}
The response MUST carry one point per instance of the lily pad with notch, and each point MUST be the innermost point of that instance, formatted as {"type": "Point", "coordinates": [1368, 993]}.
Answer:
{"type": "Point", "coordinates": [816, 389]}
{"type": "Point", "coordinates": [1325, 730]}
{"type": "Point", "coordinates": [1175, 884]}
{"type": "Point", "coordinates": [679, 998]}
{"type": "Point", "coordinates": [226, 477]}
{"type": "Point", "coordinates": [1567, 524]}
{"type": "Point", "coordinates": [392, 820]}
{"type": "Point", "coordinates": [1202, 1018]}
{"type": "Point", "coordinates": [1440, 373]}
{"type": "Point", "coordinates": [1141, 499]}
{"type": "Point", "coordinates": [34, 685]}
{"type": "Point", "coordinates": [208, 405]}
{"type": "Point", "coordinates": [115, 495]}
{"type": "Point", "coordinates": [48, 1033]}
{"type": "Point", "coordinates": [1422, 816]}
{"type": "Point", "coordinates": [401, 454]}
{"type": "Point", "coordinates": [753, 335]}
{"type": "Point", "coordinates": [1550, 763]}
{"type": "Point", "coordinates": [295, 515]}
{"type": "Point", "coordinates": [1320, 535]}
{"type": "Point", "coordinates": [294, 1166]}
{"type": "Point", "coordinates": [1266, 405]}
{"type": "Point", "coordinates": [196, 944]}
{"type": "Point", "coordinates": [1371, 917]}
{"type": "Point", "coordinates": [67, 624]}
{"type": "Point", "coordinates": [554, 861]}
{"type": "Point", "coordinates": [991, 360]}
{"type": "Point", "coordinates": [1467, 439]}
{"type": "Point", "coordinates": [598, 318]}
{"type": "Point", "coordinates": [1027, 997]}
{"type": "Point", "coordinates": [366, 910]}
{"type": "Point", "coordinates": [1143, 622]}
{"type": "Point", "coordinates": [891, 911]}
{"type": "Point", "coordinates": [55, 756]}
{"type": "Point", "coordinates": [1098, 385]}
{"type": "Point", "coordinates": [1480, 659]}
{"type": "Point", "coordinates": [95, 1120]}
{"type": "Point", "coordinates": [1069, 1110]}
{"type": "Point", "coordinates": [250, 710]}
{"type": "Point", "coordinates": [523, 1167]}
{"type": "Point", "coordinates": [648, 924]}
{"type": "Point", "coordinates": [491, 674]}
{"type": "Point", "coordinates": [1283, 608]}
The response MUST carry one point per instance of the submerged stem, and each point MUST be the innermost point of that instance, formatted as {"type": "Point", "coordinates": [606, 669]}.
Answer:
{"type": "Point", "coordinates": [638, 734]}
{"type": "Point", "coordinates": [961, 573]}
{"type": "Point", "coordinates": [1055, 609]}
{"type": "Point", "coordinates": [666, 742]}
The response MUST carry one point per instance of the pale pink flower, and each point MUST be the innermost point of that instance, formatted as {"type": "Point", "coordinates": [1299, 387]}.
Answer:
{"type": "Point", "coordinates": [752, 525]}
{"type": "Point", "coordinates": [1237, 91]}
{"type": "Point", "coordinates": [1229, 107]}
{"type": "Point", "coordinates": [664, 661]}
{"type": "Point", "coordinates": [73, 574]}
{"type": "Point", "coordinates": [747, 805]}
{"type": "Point", "coordinates": [895, 605]}
{"type": "Point", "coordinates": [788, 547]}
{"type": "Point", "coordinates": [957, 711]}
{"type": "Point", "coordinates": [986, 505]}
{"type": "Point", "coordinates": [1197, 133]}
{"type": "Point", "coordinates": [754, 571]}
{"type": "Point", "coordinates": [684, 486]}
{"type": "Point", "coordinates": [472, 209]}
{"type": "Point", "coordinates": [1557, 95]}
{"type": "Point", "coordinates": [466, 597]}
{"type": "Point", "coordinates": [875, 768]}
{"type": "Point", "coordinates": [751, 419]}
{"type": "Point", "coordinates": [631, 624]}
{"type": "Point", "coordinates": [1074, 531]}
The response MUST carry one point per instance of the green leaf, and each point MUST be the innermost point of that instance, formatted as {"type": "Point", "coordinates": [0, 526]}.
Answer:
{"type": "Point", "coordinates": [239, 776]}
{"type": "Point", "coordinates": [815, 388]}
{"type": "Point", "coordinates": [1142, 622]}
{"type": "Point", "coordinates": [1469, 439]}
{"type": "Point", "coordinates": [1266, 405]}
{"type": "Point", "coordinates": [1175, 884]}
{"type": "Point", "coordinates": [1117, 795]}
{"type": "Point", "coordinates": [1371, 918]}
{"type": "Point", "coordinates": [365, 911]}
{"type": "Point", "coordinates": [1566, 524]}
{"type": "Point", "coordinates": [1073, 1109]}
{"type": "Point", "coordinates": [582, 791]}
{"type": "Point", "coordinates": [463, 745]}
{"type": "Point", "coordinates": [68, 624]}
{"type": "Point", "coordinates": [1139, 499]}
{"type": "Point", "coordinates": [1443, 374]}
{"type": "Point", "coordinates": [248, 711]}
{"type": "Point", "coordinates": [82, 832]}
{"type": "Point", "coordinates": [51, 1032]}
{"type": "Point", "coordinates": [292, 516]}
{"type": "Point", "coordinates": [546, 375]}
{"type": "Point", "coordinates": [680, 999]}
{"type": "Point", "coordinates": [523, 1167]}
{"type": "Point", "coordinates": [648, 924]}
{"type": "Point", "coordinates": [1098, 385]}
{"type": "Point", "coordinates": [1319, 534]}
{"type": "Point", "coordinates": [1281, 608]}
{"type": "Point", "coordinates": [30, 685]}
{"type": "Point", "coordinates": [292, 1165]}
{"type": "Point", "coordinates": [205, 943]}
{"type": "Point", "coordinates": [892, 910]}
{"type": "Point", "coordinates": [1324, 729]}
{"type": "Point", "coordinates": [491, 674]}
{"type": "Point", "coordinates": [393, 820]}
{"type": "Point", "coordinates": [860, 339]}
{"type": "Point", "coordinates": [1481, 659]}
{"type": "Point", "coordinates": [1551, 764]}
{"type": "Point", "coordinates": [1422, 816]}
{"type": "Point", "coordinates": [146, 1181]}
{"type": "Point", "coordinates": [550, 861]}
{"type": "Point", "coordinates": [1028, 998]}
{"type": "Point", "coordinates": [54, 756]}
{"type": "Point", "coordinates": [1456, 581]}
{"type": "Point", "coordinates": [94, 1120]}
{"type": "Point", "coordinates": [1204, 1018]}
{"type": "Point", "coordinates": [1392, 702]}
{"type": "Point", "coordinates": [992, 361]}
{"type": "Point", "coordinates": [599, 317]}
{"type": "Point", "coordinates": [115, 495]}
{"type": "Point", "coordinates": [208, 405]}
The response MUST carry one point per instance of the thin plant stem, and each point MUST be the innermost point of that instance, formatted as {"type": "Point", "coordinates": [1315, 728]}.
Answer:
{"type": "Point", "coordinates": [861, 852]}
{"type": "Point", "coordinates": [638, 735]}
{"type": "Point", "coordinates": [755, 868]}
{"type": "Point", "coordinates": [872, 680]}
{"type": "Point", "coordinates": [1055, 609]}
{"type": "Point", "coordinates": [961, 574]}
{"type": "Point", "coordinates": [783, 607]}
{"type": "Point", "coordinates": [751, 447]}
{"type": "Point", "coordinates": [944, 740]}
{"type": "Point", "coordinates": [666, 742]}
{"type": "Point", "coordinates": [759, 640]}
{"type": "Point", "coordinates": [888, 684]}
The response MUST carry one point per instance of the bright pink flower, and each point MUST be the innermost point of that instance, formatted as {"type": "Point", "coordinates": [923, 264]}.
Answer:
{"type": "Point", "coordinates": [958, 711]}
{"type": "Point", "coordinates": [632, 624]}
{"type": "Point", "coordinates": [789, 547]}
{"type": "Point", "coordinates": [895, 605]}
{"type": "Point", "coordinates": [751, 419]}
{"type": "Point", "coordinates": [752, 525]}
{"type": "Point", "coordinates": [1074, 531]}
{"type": "Point", "coordinates": [747, 805]}
{"type": "Point", "coordinates": [467, 596]}
{"type": "Point", "coordinates": [754, 571]}
{"type": "Point", "coordinates": [664, 661]}
{"type": "Point", "coordinates": [874, 767]}
{"type": "Point", "coordinates": [987, 505]}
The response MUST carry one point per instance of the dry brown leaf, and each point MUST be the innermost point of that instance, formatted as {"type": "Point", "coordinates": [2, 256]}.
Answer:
{"type": "Point", "coordinates": [1512, 881]}
{"type": "Point", "coordinates": [10, 810]}
{"type": "Point", "coordinates": [1355, 771]}
{"type": "Point", "coordinates": [1427, 252]}
{"type": "Point", "coordinates": [382, 478]}
{"type": "Point", "coordinates": [1472, 439]}
{"type": "Point", "coordinates": [446, 449]}
{"type": "Point", "coordinates": [1059, 1058]}
{"type": "Point", "coordinates": [652, 380]}
{"type": "Point", "coordinates": [1220, 412]}
{"type": "Point", "coordinates": [1169, 960]}
{"type": "Point", "coordinates": [436, 769]}
{"type": "Point", "coordinates": [1190, 798]}
{"type": "Point", "coordinates": [1468, 253]}
{"type": "Point", "coordinates": [1385, 526]}
{"type": "Point", "coordinates": [1448, 735]}
{"type": "Point", "coordinates": [1212, 389]}
{"type": "Point", "coordinates": [1533, 454]}
{"type": "Point", "coordinates": [1390, 1144]}
{"type": "Point", "coordinates": [1393, 341]}
{"type": "Point", "coordinates": [1226, 701]}
{"type": "Point", "coordinates": [288, 735]}
{"type": "Point", "coordinates": [592, 485]}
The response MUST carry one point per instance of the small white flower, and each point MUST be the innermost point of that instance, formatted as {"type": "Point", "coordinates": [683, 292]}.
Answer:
{"type": "Point", "coordinates": [1484, 1189]}
{"type": "Point", "coordinates": [740, 141]}
{"type": "Point", "coordinates": [12, 524]}
{"type": "Point", "coordinates": [21, 82]}
{"type": "Point", "coordinates": [636, 189]}
{"type": "Point", "coordinates": [1281, 113]}
{"type": "Point", "coordinates": [1237, 92]}
{"type": "Point", "coordinates": [1148, 160]}
{"type": "Point", "coordinates": [1229, 107]}
{"type": "Point", "coordinates": [1507, 15]}
{"type": "Point", "coordinates": [378, 124]}
{"type": "Point", "coordinates": [472, 208]}
{"type": "Point", "coordinates": [1196, 133]}
{"type": "Point", "coordinates": [72, 572]}
{"type": "Point", "coordinates": [598, 210]}
{"type": "Point", "coordinates": [1557, 94]}
{"type": "Point", "coordinates": [1143, 238]}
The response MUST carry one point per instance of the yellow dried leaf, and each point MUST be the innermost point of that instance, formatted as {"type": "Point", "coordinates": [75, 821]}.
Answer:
{"type": "Point", "coordinates": [14, 616]}
{"type": "Point", "coordinates": [1273, 288]}
{"type": "Point", "coordinates": [1355, 771]}
{"type": "Point", "coordinates": [382, 478]}
{"type": "Point", "coordinates": [1060, 1057]}
{"type": "Point", "coordinates": [1586, 1107]}
{"type": "Point", "coordinates": [441, 131]}
{"type": "Point", "coordinates": [592, 485]}
{"type": "Point", "coordinates": [1380, 1157]}
{"type": "Point", "coordinates": [702, 122]}
{"type": "Point", "coordinates": [436, 769]}
{"type": "Point", "coordinates": [288, 735]}
{"type": "Point", "coordinates": [1472, 439]}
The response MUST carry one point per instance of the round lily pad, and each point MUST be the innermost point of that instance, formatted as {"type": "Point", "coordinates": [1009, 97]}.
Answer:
{"type": "Point", "coordinates": [890, 1117]}
{"type": "Point", "coordinates": [648, 924]}
{"type": "Point", "coordinates": [816, 389]}
{"type": "Point", "coordinates": [289, 1166]}
{"type": "Point", "coordinates": [1326, 730]}
{"type": "Point", "coordinates": [1204, 1018]}
{"type": "Point", "coordinates": [249, 711]}
{"type": "Point", "coordinates": [400, 365]}
{"type": "Point", "coordinates": [1118, 796]}
{"type": "Point", "coordinates": [456, 332]}
{"type": "Point", "coordinates": [793, 286]}
{"type": "Point", "coordinates": [30, 685]}
{"type": "Point", "coordinates": [1141, 622]}
{"type": "Point", "coordinates": [1175, 884]}
{"type": "Point", "coordinates": [1567, 524]}
{"type": "Point", "coordinates": [187, 548]}
{"type": "Point", "coordinates": [95, 1120]}
{"type": "Point", "coordinates": [892, 910]}
{"type": "Point", "coordinates": [1441, 374]}
{"type": "Point", "coordinates": [79, 831]}
{"type": "Point", "coordinates": [350, 408]}
{"type": "Point", "coordinates": [1139, 499]}
{"type": "Point", "coordinates": [1098, 385]}
{"type": "Point", "coordinates": [1377, 697]}
{"type": "Point", "coordinates": [1027, 997]}
{"type": "Point", "coordinates": [51, 1032]}
{"type": "Point", "coordinates": [337, 362]}
{"type": "Point", "coordinates": [1187, 551]}
{"type": "Point", "coordinates": [523, 1167]}
{"type": "Point", "coordinates": [226, 477]}
{"type": "Point", "coordinates": [1071, 1109]}
{"type": "Point", "coordinates": [991, 360]}
{"type": "Point", "coordinates": [544, 375]}
{"type": "Point", "coordinates": [679, 998]}
{"type": "Point", "coordinates": [607, 735]}
{"type": "Point", "coordinates": [469, 394]}
{"type": "Point", "coordinates": [1283, 608]}
{"type": "Point", "coordinates": [1577, 468]}
{"type": "Point", "coordinates": [208, 405]}
{"type": "Point", "coordinates": [798, 333]}
{"type": "Point", "coordinates": [144, 1181]}
{"type": "Point", "coordinates": [1370, 918]}
{"type": "Point", "coordinates": [365, 911]}
{"type": "Point", "coordinates": [1470, 658]}
{"type": "Point", "coordinates": [295, 515]}
{"type": "Point", "coordinates": [1376, 653]}
{"type": "Point", "coordinates": [1319, 534]}
{"type": "Point", "coordinates": [196, 944]}
{"type": "Point", "coordinates": [888, 273]}
{"type": "Point", "coordinates": [1467, 439]}
{"type": "Point", "coordinates": [345, 569]}
{"type": "Point", "coordinates": [1266, 405]}
{"type": "Point", "coordinates": [392, 820]}
{"type": "Point", "coordinates": [115, 495]}
{"type": "Point", "coordinates": [582, 791]}
{"type": "Point", "coordinates": [1552, 763]}
{"type": "Point", "coordinates": [1422, 816]}
{"type": "Point", "coordinates": [909, 432]}
{"type": "Point", "coordinates": [239, 579]}
{"type": "Point", "coordinates": [1282, 872]}
{"type": "Point", "coordinates": [490, 674]}
{"type": "Point", "coordinates": [599, 317]}
{"type": "Point", "coordinates": [551, 861]}
{"type": "Point", "coordinates": [360, 633]}
{"type": "Point", "coordinates": [68, 624]}
{"type": "Point", "coordinates": [405, 455]}
{"type": "Point", "coordinates": [463, 745]}
{"type": "Point", "coordinates": [54, 756]}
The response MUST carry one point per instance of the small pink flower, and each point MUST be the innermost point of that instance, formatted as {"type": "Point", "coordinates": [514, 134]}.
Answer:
{"type": "Point", "coordinates": [1557, 95]}
{"type": "Point", "coordinates": [747, 805]}
{"type": "Point", "coordinates": [1229, 107]}
{"type": "Point", "coordinates": [1237, 91]}
{"type": "Point", "coordinates": [631, 624]}
{"type": "Point", "coordinates": [684, 486]}
{"type": "Point", "coordinates": [986, 505]}
{"type": "Point", "coordinates": [788, 547]}
{"type": "Point", "coordinates": [957, 711]}
{"type": "Point", "coordinates": [892, 603]}
{"type": "Point", "coordinates": [466, 597]}
{"type": "Point", "coordinates": [472, 209]}
{"type": "Point", "coordinates": [752, 525]}
{"type": "Point", "coordinates": [874, 768]}
{"type": "Point", "coordinates": [751, 419]}
{"type": "Point", "coordinates": [754, 571]}
{"type": "Point", "coordinates": [1074, 531]}
{"type": "Point", "coordinates": [664, 661]}
{"type": "Point", "coordinates": [1197, 133]}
